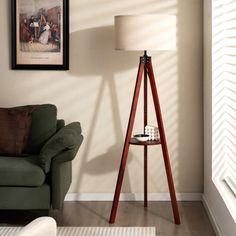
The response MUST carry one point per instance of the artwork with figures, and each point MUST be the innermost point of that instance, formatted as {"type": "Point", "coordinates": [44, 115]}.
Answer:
{"type": "Point", "coordinates": [40, 23]}
{"type": "Point", "coordinates": [40, 29]}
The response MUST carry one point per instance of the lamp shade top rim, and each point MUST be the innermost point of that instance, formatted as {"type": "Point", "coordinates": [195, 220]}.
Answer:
{"type": "Point", "coordinates": [143, 15]}
{"type": "Point", "coordinates": [139, 32]}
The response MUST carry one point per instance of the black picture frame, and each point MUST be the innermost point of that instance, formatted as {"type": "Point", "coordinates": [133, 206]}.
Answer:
{"type": "Point", "coordinates": [63, 55]}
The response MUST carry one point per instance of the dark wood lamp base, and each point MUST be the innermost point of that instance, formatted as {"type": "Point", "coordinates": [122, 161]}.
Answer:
{"type": "Point", "coordinates": [145, 68]}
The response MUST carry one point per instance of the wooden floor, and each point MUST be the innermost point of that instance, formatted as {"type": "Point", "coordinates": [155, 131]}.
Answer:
{"type": "Point", "coordinates": [194, 220]}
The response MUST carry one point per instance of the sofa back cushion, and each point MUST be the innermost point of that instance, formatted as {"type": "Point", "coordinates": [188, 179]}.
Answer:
{"type": "Point", "coordinates": [44, 125]}
{"type": "Point", "coordinates": [60, 124]}
{"type": "Point", "coordinates": [14, 130]}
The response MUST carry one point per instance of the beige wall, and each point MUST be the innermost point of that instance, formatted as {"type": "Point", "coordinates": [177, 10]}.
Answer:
{"type": "Point", "coordinates": [97, 91]}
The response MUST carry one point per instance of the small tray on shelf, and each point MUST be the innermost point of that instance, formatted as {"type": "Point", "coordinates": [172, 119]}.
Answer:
{"type": "Point", "coordinates": [134, 141]}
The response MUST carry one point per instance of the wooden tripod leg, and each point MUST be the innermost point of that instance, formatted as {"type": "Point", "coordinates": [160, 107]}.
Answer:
{"type": "Point", "coordinates": [126, 144]}
{"type": "Point", "coordinates": [163, 142]}
{"type": "Point", "coordinates": [145, 177]}
{"type": "Point", "coordinates": [145, 108]}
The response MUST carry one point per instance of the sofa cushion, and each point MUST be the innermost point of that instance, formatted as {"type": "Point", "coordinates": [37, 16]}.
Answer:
{"type": "Point", "coordinates": [15, 126]}
{"type": "Point", "coordinates": [44, 125]}
{"type": "Point", "coordinates": [21, 171]}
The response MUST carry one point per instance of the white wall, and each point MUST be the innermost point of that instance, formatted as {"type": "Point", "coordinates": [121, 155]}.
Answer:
{"type": "Point", "coordinates": [223, 220]}
{"type": "Point", "coordinates": [97, 91]}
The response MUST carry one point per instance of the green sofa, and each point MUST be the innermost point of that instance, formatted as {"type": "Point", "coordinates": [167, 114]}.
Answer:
{"type": "Point", "coordinates": [41, 178]}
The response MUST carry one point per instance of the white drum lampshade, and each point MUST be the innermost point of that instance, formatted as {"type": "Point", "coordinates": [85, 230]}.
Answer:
{"type": "Point", "coordinates": [145, 32]}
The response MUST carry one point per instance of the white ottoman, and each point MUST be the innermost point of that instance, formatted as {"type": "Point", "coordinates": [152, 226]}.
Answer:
{"type": "Point", "coordinates": [41, 226]}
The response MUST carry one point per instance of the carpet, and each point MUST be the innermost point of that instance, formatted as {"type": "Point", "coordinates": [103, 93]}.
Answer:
{"type": "Point", "coordinates": [91, 231]}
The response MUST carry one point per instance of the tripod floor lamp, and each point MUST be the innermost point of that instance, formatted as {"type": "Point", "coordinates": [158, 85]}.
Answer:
{"type": "Point", "coordinates": [142, 33]}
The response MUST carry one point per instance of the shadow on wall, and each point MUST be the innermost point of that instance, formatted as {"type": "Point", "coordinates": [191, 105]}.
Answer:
{"type": "Point", "coordinates": [97, 57]}
{"type": "Point", "coordinates": [102, 57]}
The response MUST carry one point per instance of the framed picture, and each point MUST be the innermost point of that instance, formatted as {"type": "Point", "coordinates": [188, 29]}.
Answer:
{"type": "Point", "coordinates": [40, 34]}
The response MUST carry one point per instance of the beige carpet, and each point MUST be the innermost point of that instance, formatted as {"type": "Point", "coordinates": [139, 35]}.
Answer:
{"type": "Point", "coordinates": [91, 231]}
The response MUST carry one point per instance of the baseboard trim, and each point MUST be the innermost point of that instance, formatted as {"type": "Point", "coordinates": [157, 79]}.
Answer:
{"type": "Point", "coordinates": [132, 197]}
{"type": "Point", "coordinates": [211, 216]}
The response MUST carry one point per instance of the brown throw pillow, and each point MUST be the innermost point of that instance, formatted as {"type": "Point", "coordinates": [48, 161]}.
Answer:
{"type": "Point", "coordinates": [14, 130]}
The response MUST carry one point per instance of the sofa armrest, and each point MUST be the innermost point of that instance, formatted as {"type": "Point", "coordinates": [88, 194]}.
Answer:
{"type": "Point", "coordinates": [61, 175]}
{"type": "Point", "coordinates": [40, 226]}
{"type": "Point", "coordinates": [68, 138]}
